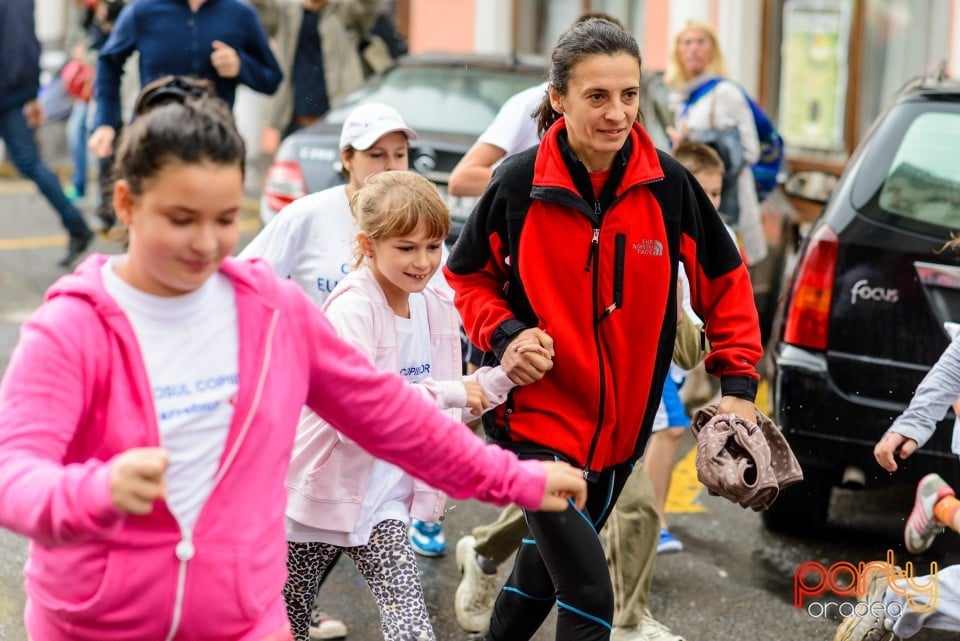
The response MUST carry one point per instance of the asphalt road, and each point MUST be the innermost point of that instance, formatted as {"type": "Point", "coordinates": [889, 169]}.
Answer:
{"type": "Point", "coordinates": [734, 581]}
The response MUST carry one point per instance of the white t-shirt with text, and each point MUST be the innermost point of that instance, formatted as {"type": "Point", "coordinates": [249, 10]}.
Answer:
{"type": "Point", "coordinates": [189, 345]}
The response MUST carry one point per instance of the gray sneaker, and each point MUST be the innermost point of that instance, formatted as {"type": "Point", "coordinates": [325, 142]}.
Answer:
{"type": "Point", "coordinates": [868, 626]}
{"type": "Point", "coordinates": [477, 592]}
{"type": "Point", "coordinates": [653, 630]}
{"type": "Point", "coordinates": [922, 526]}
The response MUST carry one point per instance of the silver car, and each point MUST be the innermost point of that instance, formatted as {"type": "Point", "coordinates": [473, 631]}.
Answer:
{"type": "Point", "coordinates": [449, 99]}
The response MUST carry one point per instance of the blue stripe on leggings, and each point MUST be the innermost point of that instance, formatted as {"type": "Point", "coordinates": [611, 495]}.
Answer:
{"type": "Point", "coordinates": [574, 506]}
{"type": "Point", "coordinates": [528, 541]}
{"type": "Point", "coordinates": [507, 588]}
{"type": "Point", "coordinates": [563, 605]}
{"type": "Point", "coordinates": [582, 515]}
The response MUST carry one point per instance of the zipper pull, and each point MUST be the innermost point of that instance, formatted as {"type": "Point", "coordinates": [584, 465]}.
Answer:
{"type": "Point", "coordinates": [586, 474]}
{"type": "Point", "coordinates": [607, 311]}
{"type": "Point", "coordinates": [594, 245]}
{"type": "Point", "coordinates": [184, 549]}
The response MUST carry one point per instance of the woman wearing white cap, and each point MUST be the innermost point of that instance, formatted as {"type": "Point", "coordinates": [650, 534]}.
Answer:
{"type": "Point", "coordinates": [310, 241]}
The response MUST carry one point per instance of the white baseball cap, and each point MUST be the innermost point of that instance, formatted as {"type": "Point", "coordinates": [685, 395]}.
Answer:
{"type": "Point", "coordinates": [369, 123]}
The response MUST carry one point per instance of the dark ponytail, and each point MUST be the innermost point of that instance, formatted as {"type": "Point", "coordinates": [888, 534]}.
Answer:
{"type": "Point", "coordinates": [195, 130]}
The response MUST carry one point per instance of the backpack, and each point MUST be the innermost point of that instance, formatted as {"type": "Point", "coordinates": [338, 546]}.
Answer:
{"type": "Point", "coordinates": [767, 167]}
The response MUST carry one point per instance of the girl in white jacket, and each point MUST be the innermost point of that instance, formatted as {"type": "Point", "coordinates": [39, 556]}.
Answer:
{"type": "Point", "coordinates": [339, 497]}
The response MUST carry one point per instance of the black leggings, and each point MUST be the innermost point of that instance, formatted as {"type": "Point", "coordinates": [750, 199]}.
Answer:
{"type": "Point", "coordinates": [561, 561]}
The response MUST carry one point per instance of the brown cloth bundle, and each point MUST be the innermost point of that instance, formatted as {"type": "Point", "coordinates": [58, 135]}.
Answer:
{"type": "Point", "coordinates": [747, 463]}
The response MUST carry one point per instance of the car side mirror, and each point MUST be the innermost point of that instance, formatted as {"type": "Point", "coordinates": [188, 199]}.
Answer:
{"type": "Point", "coordinates": [811, 185]}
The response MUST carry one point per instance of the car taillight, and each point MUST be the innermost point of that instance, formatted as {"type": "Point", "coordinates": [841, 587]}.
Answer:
{"type": "Point", "coordinates": [808, 318]}
{"type": "Point", "coordinates": [284, 184]}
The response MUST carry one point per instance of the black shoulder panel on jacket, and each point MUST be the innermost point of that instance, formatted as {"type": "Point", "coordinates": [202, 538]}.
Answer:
{"type": "Point", "coordinates": [680, 192]}
{"type": "Point", "coordinates": [507, 196]}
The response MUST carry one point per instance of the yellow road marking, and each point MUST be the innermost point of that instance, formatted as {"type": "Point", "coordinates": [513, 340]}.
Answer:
{"type": "Point", "coordinates": [60, 240]}
{"type": "Point", "coordinates": [35, 242]}
{"type": "Point", "coordinates": [763, 398]}
{"type": "Point", "coordinates": [684, 487]}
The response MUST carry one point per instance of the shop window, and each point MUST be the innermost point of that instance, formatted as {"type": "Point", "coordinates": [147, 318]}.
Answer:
{"type": "Point", "coordinates": [813, 75]}
{"type": "Point", "coordinates": [901, 39]}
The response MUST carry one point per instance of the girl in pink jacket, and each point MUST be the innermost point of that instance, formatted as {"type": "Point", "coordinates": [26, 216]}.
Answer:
{"type": "Point", "coordinates": [148, 412]}
{"type": "Point", "coordinates": [339, 498]}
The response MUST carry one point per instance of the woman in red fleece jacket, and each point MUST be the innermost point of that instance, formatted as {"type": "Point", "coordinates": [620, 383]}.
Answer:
{"type": "Point", "coordinates": [577, 242]}
{"type": "Point", "coordinates": [147, 415]}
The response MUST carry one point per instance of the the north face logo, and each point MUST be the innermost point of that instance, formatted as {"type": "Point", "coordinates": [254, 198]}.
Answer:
{"type": "Point", "coordinates": [649, 248]}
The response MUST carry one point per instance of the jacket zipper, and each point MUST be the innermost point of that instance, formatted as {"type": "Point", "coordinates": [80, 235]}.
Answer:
{"type": "Point", "coordinates": [594, 248]}
{"type": "Point", "coordinates": [184, 552]}
{"type": "Point", "coordinates": [618, 293]}
{"type": "Point", "coordinates": [595, 242]}
{"type": "Point", "coordinates": [594, 263]}
{"type": "Point", "coordinates": [185, 549]}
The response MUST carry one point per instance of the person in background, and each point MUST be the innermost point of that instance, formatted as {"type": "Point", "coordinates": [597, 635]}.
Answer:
{"type": "Point", "coordinates": [218, 40]}
{"type": "Point", "coordinates": [78, 79]}
{"type": "Point", "coordinates": [155, 475]}
{"type": "Point", "coordinates": [20, 112]}
{"type": "Point", "coordinates": [660, 457]}
{"type": "Point", "coordinates": [512, 130]}
{"type": "Point", "coordinates": [608, 308]}
{"type": "Point", "coordinates": [103, 16]}
{"type": "Point", "coordinates": [696, 59]}
{"type": "Point", "coordinates": [383, 43]}
{"type": "Point", "coordinates": [317, 50]}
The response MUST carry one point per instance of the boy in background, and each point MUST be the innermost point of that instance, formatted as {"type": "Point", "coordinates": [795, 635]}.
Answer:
{"type": "Point", "coordinates": [672, 419]}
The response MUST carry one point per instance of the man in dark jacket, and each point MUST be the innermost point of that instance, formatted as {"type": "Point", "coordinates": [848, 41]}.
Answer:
{"type": "Point", "coordinates": [19, 111]}
{"type": "Point", "coordinates": [220, 40]}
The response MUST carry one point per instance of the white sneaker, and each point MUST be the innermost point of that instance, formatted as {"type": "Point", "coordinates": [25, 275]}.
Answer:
{"type": "Point", "coordinates": [869, 624]}
{"type": "Point", "coordinates": [626, 634]}
{"type": "Point", "coordinates": [653, 630]}
{"type": "Point", "coordinates": [477, 592]}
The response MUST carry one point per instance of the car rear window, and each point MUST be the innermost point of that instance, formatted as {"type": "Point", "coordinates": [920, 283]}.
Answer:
{"type": "Point", "coordinates": [921, 186]}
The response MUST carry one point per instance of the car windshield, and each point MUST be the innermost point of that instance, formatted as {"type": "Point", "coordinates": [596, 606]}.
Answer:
{"type": "Point", "coordinates": [924, 178]}
{"type": "Point", "coordinates": [462, 100]}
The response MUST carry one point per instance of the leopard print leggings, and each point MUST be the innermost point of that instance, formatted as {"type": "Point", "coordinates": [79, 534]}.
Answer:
{"type": "Point", "coordinates": [389, 567]}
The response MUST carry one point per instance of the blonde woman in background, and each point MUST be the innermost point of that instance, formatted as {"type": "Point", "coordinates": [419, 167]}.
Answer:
{"type": "Point", "coordinates": [696, 59]}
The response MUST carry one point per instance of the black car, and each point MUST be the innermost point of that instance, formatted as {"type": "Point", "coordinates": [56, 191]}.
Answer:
{"type": "Point", "coordinates": [448, 99]}
{"type": "Point", "coordinates": [870, 305]}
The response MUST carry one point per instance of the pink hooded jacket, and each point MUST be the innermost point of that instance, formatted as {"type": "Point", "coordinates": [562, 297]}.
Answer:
{"type": "Point", "coordinates": [329, 473]}
{"type": "Point", "coordinates": [76, 394]}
